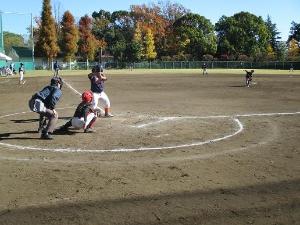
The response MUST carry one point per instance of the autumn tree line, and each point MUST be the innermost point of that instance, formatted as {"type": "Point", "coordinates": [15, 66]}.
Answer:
{"type": "Point", "coordinates": [162, 31]}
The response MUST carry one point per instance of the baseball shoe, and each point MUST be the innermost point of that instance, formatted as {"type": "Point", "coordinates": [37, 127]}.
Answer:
{"type": "Point", "coordinates": [46, 136]}
{"type": "Point", "coordinates": [108, 115]}
{"type": "Point", "coordinates": [89, 130]}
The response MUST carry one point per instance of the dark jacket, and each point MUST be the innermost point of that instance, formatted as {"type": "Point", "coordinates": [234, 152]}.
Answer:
{"type": "Point", "coordinates": [50, 95]}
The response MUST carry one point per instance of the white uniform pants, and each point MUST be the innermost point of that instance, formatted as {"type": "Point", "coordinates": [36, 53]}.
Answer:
{"type": "Point", "coordinates": [104, 100]}
{"type": "Point", "coordinates": [21, 76]}
{"type": "Point", "coordinates": [78, 123]}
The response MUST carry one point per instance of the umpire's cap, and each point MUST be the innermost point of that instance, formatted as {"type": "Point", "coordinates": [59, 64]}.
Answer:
{"type": "Point", "coordinates": [55, 81]}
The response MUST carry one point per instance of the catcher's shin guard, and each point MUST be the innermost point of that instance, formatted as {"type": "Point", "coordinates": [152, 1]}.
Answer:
{"type": "Point", "coordinates": [42, 123]}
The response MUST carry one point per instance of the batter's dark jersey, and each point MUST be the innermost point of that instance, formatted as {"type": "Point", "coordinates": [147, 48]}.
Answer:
{"type": "Point", "coordinates": [96, 86]}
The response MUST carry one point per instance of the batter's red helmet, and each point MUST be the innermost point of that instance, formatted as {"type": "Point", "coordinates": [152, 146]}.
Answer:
{"type": "Point", "coordinates": [87, 96]}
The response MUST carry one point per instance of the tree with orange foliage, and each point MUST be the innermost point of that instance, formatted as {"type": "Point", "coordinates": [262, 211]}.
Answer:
{"type": "Point", "coordinates": [47, 42]}
{"type": "Point", "coordinates": [70, 36]}
{"type": "Point", "coordinates": [87, 44]}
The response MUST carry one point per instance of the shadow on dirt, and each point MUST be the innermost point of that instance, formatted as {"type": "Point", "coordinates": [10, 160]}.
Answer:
{"type": "Point", "coordinates": [262, 203]}
{"type": "Point", "coordinates": [36, 120]}
{"type": "Point", "coordinates": [237, 86]}
{"type": "Point", "coordinates": [25, 121]}
{"type": "Point", "coordinates": [6, 136]}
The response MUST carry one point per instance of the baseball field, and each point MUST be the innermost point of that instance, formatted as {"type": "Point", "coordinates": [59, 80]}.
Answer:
{"type": "Point", "coordinates": [182, 148]}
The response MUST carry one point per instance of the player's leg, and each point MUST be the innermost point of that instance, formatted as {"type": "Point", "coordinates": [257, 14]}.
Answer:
{"type": "Point", "coordinates": [65, 127]}
{"type": "Point", "coordinates": [42, 122]}
{"type": "Point", "coordinates": [105, 101]}
{"type": "Point", "coordinates": [78, 123]}
{"type": "Point", "coordinates": [37, 105]}
{"type": "Point", "coordinates": [21, 77]}
{"type": "Point", "coordinates": [91, 119]}
{"type": "Point", "coordinates": [96, 97]}
{"type": "Point", "coordinates": [247, 82]}
{"type": "Point", "coordinates": [52, 119]}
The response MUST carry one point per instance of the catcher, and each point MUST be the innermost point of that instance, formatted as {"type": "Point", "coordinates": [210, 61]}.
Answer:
{"type": "Point", "coordinates": [84, 116]}
{"type": "Point", "coordinates": [43, 103]}
{"type": "Point", "coordinates": [249, 75]}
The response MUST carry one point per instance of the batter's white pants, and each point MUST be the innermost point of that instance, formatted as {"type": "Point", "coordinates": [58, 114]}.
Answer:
{"type": "Point", "coordinates": [103, 99]}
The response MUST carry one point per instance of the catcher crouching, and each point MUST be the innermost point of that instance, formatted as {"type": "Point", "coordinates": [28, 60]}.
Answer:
{"type": "Point", "coordinates": [84, 117]}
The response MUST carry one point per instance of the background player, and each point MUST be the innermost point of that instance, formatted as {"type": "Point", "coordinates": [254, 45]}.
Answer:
{"type": "Point", "coordinates": [97, 79]}
{"type": "Point", "coordinates": [21, 73]}
{"type": "Point", "coordinates": [84, 116]}
{"type": "Point", "coordinates": [204, 69]}
{"type": "Point", "coordinates": [43, 103]}
{"type": "Point", "coordinates": [249, 75]}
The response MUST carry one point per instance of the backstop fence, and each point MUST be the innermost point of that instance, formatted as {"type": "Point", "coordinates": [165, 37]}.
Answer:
{"type": "Point", "coordinates": [210, 64]}
{"type": "Point", "coordinates": [281, 65]}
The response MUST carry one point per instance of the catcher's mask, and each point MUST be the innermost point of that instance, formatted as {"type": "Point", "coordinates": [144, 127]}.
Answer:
{"type": "Point", "coordinates": [87, 96]}
{"type": "Point", "coordinates": [55, 81]}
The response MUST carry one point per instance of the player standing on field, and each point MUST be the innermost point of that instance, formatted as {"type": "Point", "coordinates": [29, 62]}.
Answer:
{"type": "Point", "coordinates": [56, 68]}
{"type": "Point", "coordinates": [43, 103]}
{"type": "Point", "coordinates": [204, 69]}
{"type": "Point", "coordinates": [21, 72]}
{"type": "Point", "coordinates": [249, 75]}
{"type": "Point", "coordinates": [97, 79]}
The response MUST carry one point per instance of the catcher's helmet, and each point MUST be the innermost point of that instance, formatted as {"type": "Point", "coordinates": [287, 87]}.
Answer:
{"type": "Point", "coordinates": [55, 81]}
{"type": "Point", "coordinates": [87, 96]}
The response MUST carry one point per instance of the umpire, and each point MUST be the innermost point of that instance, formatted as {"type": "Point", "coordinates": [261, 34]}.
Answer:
{"type": "Point", "coordinates": [43, 103]}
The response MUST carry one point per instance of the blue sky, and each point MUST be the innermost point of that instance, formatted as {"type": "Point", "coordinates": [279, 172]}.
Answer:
{"type": "Point", "coordinates": [281, 12]}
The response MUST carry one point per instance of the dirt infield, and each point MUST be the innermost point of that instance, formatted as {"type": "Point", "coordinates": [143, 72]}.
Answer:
{"type": "Point", "coordinates": [181, 149]}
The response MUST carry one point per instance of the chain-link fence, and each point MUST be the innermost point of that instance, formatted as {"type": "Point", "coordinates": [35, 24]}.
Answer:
{"type": "Point", "coordinates": [286, 65]}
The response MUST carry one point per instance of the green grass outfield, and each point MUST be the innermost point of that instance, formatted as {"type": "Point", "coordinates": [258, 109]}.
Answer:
{"type": "Point", "coordinates": [35, 73]}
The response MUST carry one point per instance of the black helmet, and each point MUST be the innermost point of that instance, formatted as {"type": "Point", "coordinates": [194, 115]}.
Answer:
{"type": "Point", "coordinates": [97, 69]}
{"type": "Point", "coordinates": [55, 81]}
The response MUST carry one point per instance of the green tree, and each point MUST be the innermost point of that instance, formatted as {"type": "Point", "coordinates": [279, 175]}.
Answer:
{"type": "Point", "coordinates": [116, 30]}
{"type": "Point", "coordinates": [167, 44]}
{"type": "Point", "coordinates": [196, 34]}
{"type": "Point", "coordinates": [70, 36]}
{"type": "Point", "coordinates": [87, 44]}
{"type": "Point", "coordinates": [294, 32]}
{"type": "Point", "coordinates": [282, 51]}
{"type": "Point", "coordinates": [150, 52]}
{"type": "Point", "coordinates": [11, 39]}
{"type": "Point", "coordinates": [47, 43]}
{"type": "Point", "coordinates": [242, 33]}
{"type": "Point", "coordinates": [274, 37]}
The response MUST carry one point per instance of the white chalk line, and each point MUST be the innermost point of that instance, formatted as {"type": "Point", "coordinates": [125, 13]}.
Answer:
{"type": "Point", "coordinates": [240, 128]}
{"type": "Point", "coordinates": [70, 150]}
{"type": "Point", "coordinates": [173, 159]}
